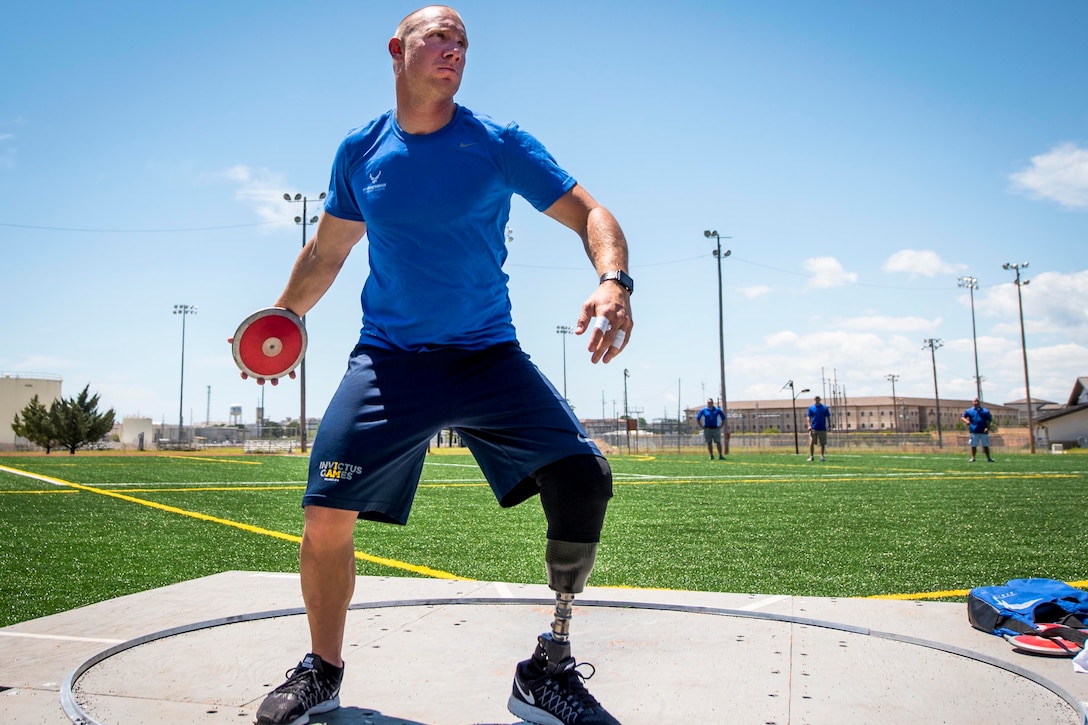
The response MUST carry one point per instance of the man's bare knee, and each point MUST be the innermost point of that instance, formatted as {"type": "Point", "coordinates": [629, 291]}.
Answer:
{"type": "Point", "coordinates": [328, 528]}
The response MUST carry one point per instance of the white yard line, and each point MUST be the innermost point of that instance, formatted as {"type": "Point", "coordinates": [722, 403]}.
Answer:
{"type": "Point", "coordinates": [766, 602]}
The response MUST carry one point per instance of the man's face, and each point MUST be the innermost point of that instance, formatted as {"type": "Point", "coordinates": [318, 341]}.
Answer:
{"type": "Point", "coordinates": [976, 403]}
{"type": "Point", "coordinates": [433, 50]}
{"type": "Point", "coordinates": [710, 402]}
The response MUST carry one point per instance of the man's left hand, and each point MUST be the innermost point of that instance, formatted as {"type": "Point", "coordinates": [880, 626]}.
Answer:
{"type": "Point", "coordinates": [610, 304]}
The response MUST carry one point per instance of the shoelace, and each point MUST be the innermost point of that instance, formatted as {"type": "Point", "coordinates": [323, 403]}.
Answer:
{"type": "Point", "coordinates": [297, 684]}
{"type": "Point", "coordinates": [576, 690]}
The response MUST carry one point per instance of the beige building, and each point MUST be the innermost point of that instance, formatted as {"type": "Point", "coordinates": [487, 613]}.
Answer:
{"type": "Point", "coordinates": [16, 391]}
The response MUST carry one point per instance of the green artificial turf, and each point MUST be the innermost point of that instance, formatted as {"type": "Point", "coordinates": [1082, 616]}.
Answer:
{"type": "Point", "coordinates": [857, 525]}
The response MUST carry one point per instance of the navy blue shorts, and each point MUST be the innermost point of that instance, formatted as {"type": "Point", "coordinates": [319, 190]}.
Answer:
{"type": "Point", "coordinates": [369, 450]}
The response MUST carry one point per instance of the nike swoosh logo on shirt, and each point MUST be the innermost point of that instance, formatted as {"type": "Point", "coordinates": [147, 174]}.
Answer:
{"type": "Point", "coordinates": [466, 145]}
{"type": "Point", "coordinates": [524, 693]}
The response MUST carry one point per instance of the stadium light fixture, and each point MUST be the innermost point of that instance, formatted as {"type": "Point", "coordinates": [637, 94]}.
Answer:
{"type": "Point", "coordinates": [719, 255]}
{"type": "Point", "coordinates": [184, 311]}
{"type": "Point", "coordinates": [933, 344]}
{"type": "Point", "coordinates": [564, 330]}
{"type": "Point", "coordinates": [789, 384]}
{"type": "Point", "coordinates": [895, 403]}
{"type": "Point", "coordinates": [1023, 344]}
{"type": "Point", "coordinates": [304, 221]}
{"type": "Point", "coordinates": [972, 284]}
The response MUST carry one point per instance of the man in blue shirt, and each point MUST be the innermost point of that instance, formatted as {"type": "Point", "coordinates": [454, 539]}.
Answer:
{"type": "Point", "coordinates": [818, 415]}
{"type": "Point", "coordinates": [712, 418]}
{"type": "Point", "coordinates": [430, 184]}
{"type": "Point", "coordinates": [978, 421]}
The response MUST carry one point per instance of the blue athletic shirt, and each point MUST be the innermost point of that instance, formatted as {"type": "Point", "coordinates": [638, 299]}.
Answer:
{"type": "Point", "coordinates": [818, 414]}
{"type": "Point", "coordinates": [979, 419]}
{"type": "Point", "coordinates": [714, 416]}
{"type": "Point", "coordinates": [436, 208]}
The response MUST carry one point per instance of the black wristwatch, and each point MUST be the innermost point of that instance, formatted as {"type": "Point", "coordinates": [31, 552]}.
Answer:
{"type": "Point", "coordinates": [621, 278]}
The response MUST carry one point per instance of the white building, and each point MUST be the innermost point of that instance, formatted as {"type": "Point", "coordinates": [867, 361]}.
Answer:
{"type": "Point", "coordinates": [16, 392]}
{"type": "Point", "coordinates": [1068, 425]}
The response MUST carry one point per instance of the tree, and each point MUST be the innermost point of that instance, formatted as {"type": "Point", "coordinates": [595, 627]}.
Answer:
{"type": "Point", "coordinates": [36, 425]}
{"type": "Point", "coordinates": [77, 422]}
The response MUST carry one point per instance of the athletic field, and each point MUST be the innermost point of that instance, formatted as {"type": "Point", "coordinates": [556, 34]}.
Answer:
{"type": "Point", "coordinates": [80, 529]}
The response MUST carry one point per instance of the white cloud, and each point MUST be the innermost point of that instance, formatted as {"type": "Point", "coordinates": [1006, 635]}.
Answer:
{"type": "Point", "coordinates": [786, 337]}
{"type": "Point", "coordinates": [754, 291]}
{"type": "Point", "coordinates": [919, 263]}
{"type": "Point", "coordinates": [827, 272]}
{"type": "Point", "coordinates": [262, 191]}
{"type": "Point", "coordinates": [1054, 304]}
{"type": "Point", "coordinates": [1060, 175]}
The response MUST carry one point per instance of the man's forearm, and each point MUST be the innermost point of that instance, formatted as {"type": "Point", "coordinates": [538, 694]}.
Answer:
{"type": "Point", "coordinates": [605, 242]}
{"type": "Point", "coordinates": [319, 262]}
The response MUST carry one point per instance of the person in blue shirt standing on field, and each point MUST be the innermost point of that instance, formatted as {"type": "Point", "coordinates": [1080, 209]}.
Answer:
{"type": "Point", "coordinates": [429, 184]}
{"type": "Point", "coordinates": [818, 415]}
{"type": "Point", "coordinates": [712, 419]}
{"type": "Point", "coordinates": [978, 421]}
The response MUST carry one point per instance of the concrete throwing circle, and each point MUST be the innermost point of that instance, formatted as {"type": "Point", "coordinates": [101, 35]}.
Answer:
{"type": "Point", "coordinates": [439, 661]}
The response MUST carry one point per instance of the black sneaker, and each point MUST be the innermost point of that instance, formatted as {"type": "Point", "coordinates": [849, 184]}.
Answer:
{"type": "Point", "coordinates": [311, 688]}
{"type": "Point", "coordinates": [554, 695]}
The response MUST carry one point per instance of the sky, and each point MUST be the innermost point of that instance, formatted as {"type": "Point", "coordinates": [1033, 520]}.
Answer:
{"type": "Point", "coordinates": [857, 159]}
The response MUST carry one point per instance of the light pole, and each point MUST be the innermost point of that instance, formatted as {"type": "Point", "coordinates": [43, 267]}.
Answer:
{"type": "Point", "coordinates": [1023, 344]}
{"type": "Point", "coordinates": [972, 284]}
{"type": "Point", "coordinates": [719, 255]}
{"type": "Point", "coordinates": [895, 403]}
{"type": "Point", "coordinates": [184, 311]}
{"type": "Point", "coordinates": [564, 330]}
{"type": "Point", "coordinates": [303, 220]}
{"type": "Point", "coordinates": [626, 417]}
{"type": "Point", "coordinates": [796, 442]}
{"type": "Point", "coordinates": [933, 343]}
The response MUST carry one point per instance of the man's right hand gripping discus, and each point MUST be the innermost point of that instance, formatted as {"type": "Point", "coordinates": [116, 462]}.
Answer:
{"type": "Point", "coordinates": [269, 344]}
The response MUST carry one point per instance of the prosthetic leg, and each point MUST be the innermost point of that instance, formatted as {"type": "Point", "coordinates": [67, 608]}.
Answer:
{"type": "Point", "coordinates": [549, 686]}
{"type": "Point", "coordinates": [569, 565]}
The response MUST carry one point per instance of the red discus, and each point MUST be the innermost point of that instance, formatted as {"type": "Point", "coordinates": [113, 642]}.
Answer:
{"type": "Point", "coordinates": [269, 344]}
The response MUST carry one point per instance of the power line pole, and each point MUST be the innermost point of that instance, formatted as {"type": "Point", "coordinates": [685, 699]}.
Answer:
{"type": "Point", "coordinates": [626, 416]}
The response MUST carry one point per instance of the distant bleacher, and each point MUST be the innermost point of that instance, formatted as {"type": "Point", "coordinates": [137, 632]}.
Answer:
{"type": "Point", "coordinates": [269, 446]}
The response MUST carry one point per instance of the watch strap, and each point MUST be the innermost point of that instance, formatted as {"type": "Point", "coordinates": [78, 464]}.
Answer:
{"type": "Point", "coordinates": [621, 278]}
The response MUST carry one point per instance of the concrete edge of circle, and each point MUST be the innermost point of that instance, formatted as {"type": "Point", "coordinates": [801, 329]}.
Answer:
{"type": "Point", "coordinates": [78, 716]}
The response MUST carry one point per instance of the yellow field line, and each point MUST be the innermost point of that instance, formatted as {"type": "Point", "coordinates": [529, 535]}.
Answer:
{"type": "Point", "coordinates": [392, 563]}
{"type": "Point", "coordinates": [210, 488]}
{"type": "Point", "coordinates": [216, 460]}
{"type": "Point", "coordinates": [950, 593]}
